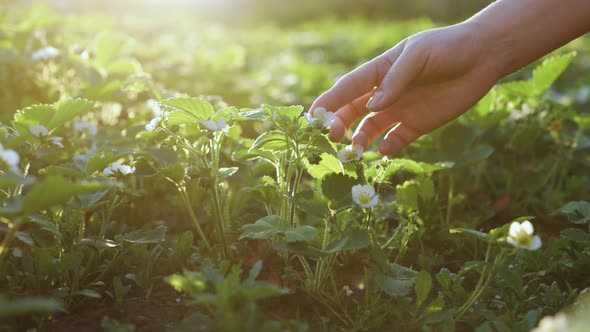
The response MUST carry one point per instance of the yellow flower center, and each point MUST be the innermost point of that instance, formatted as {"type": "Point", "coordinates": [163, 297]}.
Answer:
{"type": "Point", "coordinates": [351, 155]}
{"type": "Point", "coordinates": [523, 239]}
{"type": "Point", "coordinates": [364, 198]}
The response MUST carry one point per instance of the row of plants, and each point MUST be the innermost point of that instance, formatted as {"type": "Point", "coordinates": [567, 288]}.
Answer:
{"type": "Point", "coordinates": [117, 183]}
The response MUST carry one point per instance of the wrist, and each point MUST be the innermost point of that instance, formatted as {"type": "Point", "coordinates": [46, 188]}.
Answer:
{"type": "Point", "coordinates": [496, 48]}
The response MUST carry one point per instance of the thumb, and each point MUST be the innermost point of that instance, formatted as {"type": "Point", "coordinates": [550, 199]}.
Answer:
{"type": "Point", "coordinates": [400, 75]}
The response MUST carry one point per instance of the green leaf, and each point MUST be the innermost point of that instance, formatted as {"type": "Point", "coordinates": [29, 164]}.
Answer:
{"type": "Point", "coordinates": [393, 287]}
{"type": "Point", "coordinates": [578, 212]}
{"type": "Point", "coordinates": [13, 180]}
{"type": "Point", "coordinates": [67, 109]}
{"type": "Point", "coordinates": [32, 116]}
{"type": "Point", "coordinates": [61, 170]}
{"type": "Point", "coordinates": [575, 235]}
{"type": "Point", "coordinates": [89, 293]}
{"type": "Point", "coordinates": [476, 234]}
{"type": "Point", "coordinates": [98, 243]}
{"type": "Point", "coordinates": [107, 47]}
{"type": "Point", "coordinates": [188, 110]}
{"type": "Point", "coordinates": [338, 189]}
{"type": "Point", "coordinates": [299, 248]}
{"type": "Point", "coordinates": [55, 190]}
{"type": "Point", "coordinates": [163, 155]}
{"type": "Point", "coordinates": [474, 155]}
{"type": "Point", "coordinates": [274, 141]}
{"type": "Point", "coordinates": [408, 165]}
{"type": "Point", "coordinates": [141, 237]}
{"type": "Point", "coordinates": [91, 163]}
{"type": "Point", "coordinates": [301, 233]}
{"type": "Point", "coordinates": [354, 239]}
{"type": "Point", "coordinates": [423, 286]}
{"type": "Point", "coordinates": [409, 194]}
{"type": "Point", "coordinates": [551, 68]}
{"type": "Point", "coordinates": [328, 165]}
{"type": "Point", "coordinates": [27, 306]}
{"type": "Point", "coordinates": [313, 203]}
{"type": "Point", "coordinates": [518, 88]}
{"type": "Point", "coordinates": [263, 228]}
{"type": "Point", "coordinates": [291, 112]}
{"type": "Point", "coordinates": [226, 172]}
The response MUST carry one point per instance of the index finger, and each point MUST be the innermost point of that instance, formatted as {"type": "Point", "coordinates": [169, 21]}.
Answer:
{"type": "Point", "coordinates": [358, 82]}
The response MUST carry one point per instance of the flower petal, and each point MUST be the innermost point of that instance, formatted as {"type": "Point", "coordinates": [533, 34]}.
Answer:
{"type": "Point", "coordinates": [536, 244]}
{"type": "Point", "coordinates": [514, 229]}
{"type": "Point", "coordinates": [527, 227]}
{"type": "Point", "coordinates": [209, 124]}
{"type": "Point", "coordinates": [512, 242]}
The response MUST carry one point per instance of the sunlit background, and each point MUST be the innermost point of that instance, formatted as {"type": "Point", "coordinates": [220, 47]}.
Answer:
{"type": "Point", "coordinates": [284, 10]}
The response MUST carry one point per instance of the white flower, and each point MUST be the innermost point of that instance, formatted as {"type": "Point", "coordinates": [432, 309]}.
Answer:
{"type": "Point", "coordinates": [322, 115]}
{"type": "Point", "coordinates": [347, 290]}
{"type": "Point", "coordinates": [364, 195]}
{"type": "Point", "coordinates": [350, 153]}
{"type": "Point", "coordinates": [117, 168]}
{"type": "Point", "coordinates": [56, 140]}
{"type": "Point", "coordinates": [522, 113]}
{"type": "Point", "coordinates": [39, 131]}
{"type": "Point", "coordinates": [153, 124]}
{"type": "Point", "coordinates": [42, 133]}
{"type": "Point", "coordinates": [155, 107]}
{"type": "Point", "coordinates": [10, 158]}
{"type": "Point", "coordinates": [85, 127]}
{"type": "Point", "coordinates": [557, 323]}
{"type": "Point", "coordinates": [45, 53]}
{"type": "Point", "coordinates": [521, 236]}
{"type": "Point", "coordinates": [213, 125]}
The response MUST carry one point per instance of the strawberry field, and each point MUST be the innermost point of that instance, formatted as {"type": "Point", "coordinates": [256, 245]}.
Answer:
{"type": "Point", "coordinates": [164, 175]}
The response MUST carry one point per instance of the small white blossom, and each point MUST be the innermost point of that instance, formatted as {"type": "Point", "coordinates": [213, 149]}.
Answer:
{"type": "Point", "coordinates": [521, 236]}
{"type": "Point", "coordinates": [45, 53]}
{"type": "Point", "coordinates": [154, 105]}
{"type": "Point", "coordinates": [56, 140]}
{"type": "Point", "coordinates": [153, 124]}
{"type": "Point", "coordinates": [583, 94]}
{"type": "Point", "coordinates": [351, 153]}
{"type": "Point", "coordinates": [42, 133]}
{"type": "Point", "coordinates": [86, 127]}
{"type": "Point", "coordinates": [117, 168]}
{"type": "Point", "coordinates": [557, 323]}
{"type": "Point", "coordinates": [364, 195]}
{"type": "Point", "coordinates": [214, 125]}
{"type": "Point", "coordinates": [321, 114]}
{"type": "Point", "coordinates": [10, 158]}
{"type": "Point", "coordinates": [522, 113]}
{"type": "Point", "coordinates": [347, 290]}
{"type": "Point", "coordinates": [39, 131]}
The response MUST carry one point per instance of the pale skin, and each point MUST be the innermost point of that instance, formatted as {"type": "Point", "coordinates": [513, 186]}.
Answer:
{"type": "Point", "coordinates": [432, 77]}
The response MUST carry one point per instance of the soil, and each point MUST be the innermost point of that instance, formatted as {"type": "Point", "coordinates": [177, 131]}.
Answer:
{"type": "Point", "coordinates": [154, 314]}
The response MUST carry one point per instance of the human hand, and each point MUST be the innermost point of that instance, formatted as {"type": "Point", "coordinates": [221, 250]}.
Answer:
{"type": "Point", "coordinates": [422, 83]}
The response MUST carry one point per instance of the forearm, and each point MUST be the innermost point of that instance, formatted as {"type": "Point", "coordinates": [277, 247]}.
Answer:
{"type": "Point", "coordinates": [521, 31]}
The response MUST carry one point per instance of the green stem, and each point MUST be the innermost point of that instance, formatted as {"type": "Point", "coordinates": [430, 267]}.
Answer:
{"type": "Point", "coordinates": [220, 227]}
{"type": "Point", "coordinates": [4, 246]}
{"type": "Point", "coordinates": [450, 199]}
{"type": "Point", "coordinates": [298, 174]}
{"type": "Point", "coordinates": [189, 208]}
{"type": "Point", "coordinates": [480, 287]}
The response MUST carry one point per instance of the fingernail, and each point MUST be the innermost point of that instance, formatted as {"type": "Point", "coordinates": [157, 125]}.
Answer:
{"type": "Point", "coordinates": [360, 139]}
{"type": "Point", "coordinates": [385, 148]}
{"type": "Point", "coordinates": [388, 147]}
{"type": "Point", "coordinates": [375, 100]}
{"type": "Point", "coordinates": [336, 130]}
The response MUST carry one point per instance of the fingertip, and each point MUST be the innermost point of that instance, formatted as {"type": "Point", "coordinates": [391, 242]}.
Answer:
{"type": "Point", "coordinates": [361, 139]}
{"type": "Point", "coordinates": [337, 130]}
{"type": "Point", "coordinates": [391, 145]}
